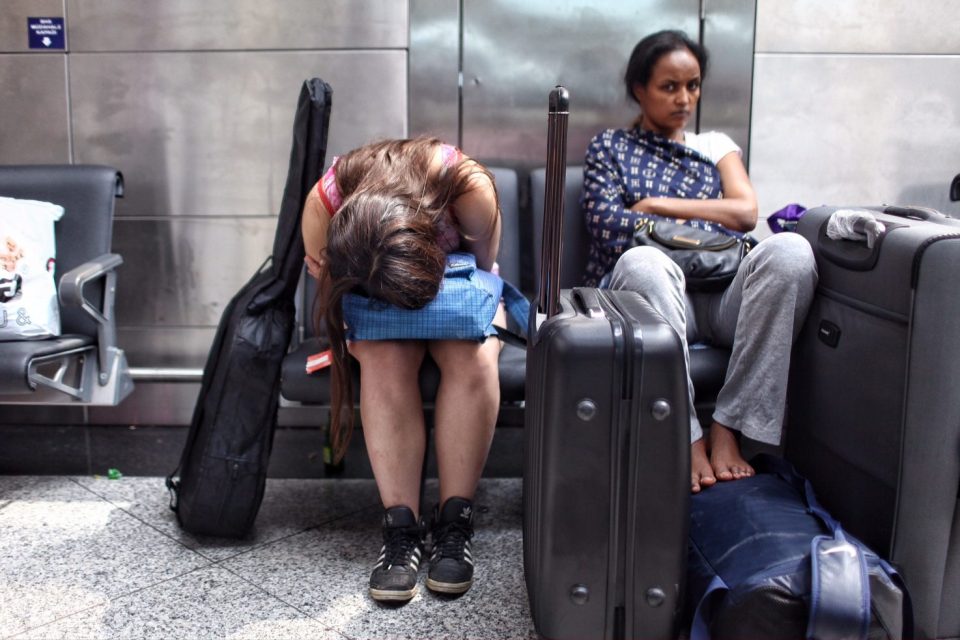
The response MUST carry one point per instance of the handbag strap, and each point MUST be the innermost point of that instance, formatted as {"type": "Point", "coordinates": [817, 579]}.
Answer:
{"type": "Point", "coordinates": [518, 310]}
{"type": "Point", "coordinates": [517, 305]}
{"type": "Point", "coordinates": [839, 598]}
{"type": "Point", "coordinates": [840, 587]}
{"type": "Point", "coordinates": [825, 557]}
{"type": "Point", "coordinates": [709, 601]}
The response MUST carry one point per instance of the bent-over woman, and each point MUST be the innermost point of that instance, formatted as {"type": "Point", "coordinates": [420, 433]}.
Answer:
{"type": "Point", "coordinates": [380, 223]}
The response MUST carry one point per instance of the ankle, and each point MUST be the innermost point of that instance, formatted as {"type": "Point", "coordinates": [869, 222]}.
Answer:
{"type": "Point", "coordinates": [721, 435]}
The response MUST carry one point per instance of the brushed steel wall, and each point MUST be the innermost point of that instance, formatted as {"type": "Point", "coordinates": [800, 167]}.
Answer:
{"type": "Point", "coordinates": [194, 103]}
{"type": "Point", "coordinates": [211, 25]}
{"type": "Point", "coordinates": [857, 26]}
{"type": "Point", "coordinates": [33, 89]}
{"type": "Point", "coordinates": [208, 133]}
{"type": "Point", "coordinates": [514, 53]}
{"type": "Point", "coordinates": [13, 21]}
{"type": "Point", "coordinates": [728, 33]}
{"type": "Point", "coordinates": [856, 103]}
{"type": "Point", "coordinates": [434, 106]}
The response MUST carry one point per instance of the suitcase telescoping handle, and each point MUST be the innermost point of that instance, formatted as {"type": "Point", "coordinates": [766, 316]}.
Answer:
{"type": "Point", "coordinates": [555, 178]}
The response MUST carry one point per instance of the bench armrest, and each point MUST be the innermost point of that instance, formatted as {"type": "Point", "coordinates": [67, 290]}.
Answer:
{"type": "Point", "coordinates": [71, 294]}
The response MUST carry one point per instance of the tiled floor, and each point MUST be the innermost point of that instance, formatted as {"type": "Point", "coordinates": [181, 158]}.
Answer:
{"type": "Point", "coordinates": [87, 557]}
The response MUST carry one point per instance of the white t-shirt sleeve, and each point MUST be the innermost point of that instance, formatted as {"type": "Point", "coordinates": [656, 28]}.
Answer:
{"type": "Point", "coordinates": [713, 144]}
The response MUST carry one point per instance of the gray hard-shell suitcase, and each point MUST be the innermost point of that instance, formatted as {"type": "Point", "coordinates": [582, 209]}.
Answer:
{"type": "Point", "coordinates": [606, 476]}
{"type": "Point", "coordinates": [874, 408]}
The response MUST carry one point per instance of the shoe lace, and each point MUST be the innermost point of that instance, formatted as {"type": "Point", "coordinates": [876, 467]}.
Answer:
{"type": "Point", "coordinates": [400, 544]}
{"type": "Point", "coordinates": [451, 540]}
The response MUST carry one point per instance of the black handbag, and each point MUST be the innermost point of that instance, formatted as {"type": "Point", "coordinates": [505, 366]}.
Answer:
{"type": "Point", "coordinates": [709, 259]}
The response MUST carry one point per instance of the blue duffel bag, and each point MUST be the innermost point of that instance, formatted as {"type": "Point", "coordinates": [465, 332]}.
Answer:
{"type": "Point", "coordinates": [767, 561]}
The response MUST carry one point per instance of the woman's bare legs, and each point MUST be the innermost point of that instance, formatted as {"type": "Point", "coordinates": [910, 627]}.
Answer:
{"type": "Point", "coordinates": [466, 412]}
{"type": "Point", "coordinates": [391, 411]}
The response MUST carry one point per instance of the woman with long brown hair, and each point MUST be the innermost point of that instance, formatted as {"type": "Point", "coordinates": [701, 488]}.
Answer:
{"type": "Point", "coordinates": [380, 223]}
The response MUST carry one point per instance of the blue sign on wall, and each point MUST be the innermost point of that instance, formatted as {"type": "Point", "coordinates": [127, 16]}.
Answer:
{"type": "Point", "coordinates": [46, 33]}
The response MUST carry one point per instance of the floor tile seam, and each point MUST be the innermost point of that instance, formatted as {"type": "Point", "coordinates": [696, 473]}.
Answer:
{"type": "Point", "coordinates": [150, 525]}
{"type": "Point", "coordinates": [211, 561]}
{"type": "Point", "coordinates": [282, 601]}
{"type": "Point", "coordinates": [268, 543]}
{"type": "Point", "coordinates": [55, 620]}
{"type": "Point", "coordinates": [110, 601]}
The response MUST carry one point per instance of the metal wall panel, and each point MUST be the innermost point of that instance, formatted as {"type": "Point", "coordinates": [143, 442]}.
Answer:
{"type": "Point", "coordinates": [157, 403]}
{"type": "Point", "coordinates": [514, 53]}
{"type": "Point", "coordinates": [434, 69]}
{"type": "Point", "coordinates": [188, 25]}
{"type": "Point", "coordinates": [163, 403]}
{"type": "Point", "coordinates": [182, 272]}
{"type": "Point", "coordinates": [855, 130]}
{"type": "Point", "coordinates": [728, 33]}
{"type": "Point", "coordinates": [208, 134]}
{"type": "Point", "coordinates": [152, 347]}
{"type": "Point", "coordinates": [33, 103]}
{"type": "Point", "coordinates": [858, 26]}
{"type": "Point", "coordinates": [13, 21]}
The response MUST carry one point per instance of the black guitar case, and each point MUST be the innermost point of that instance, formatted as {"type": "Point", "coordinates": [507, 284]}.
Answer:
{"type": "Point", "coordinates": [218, 485]}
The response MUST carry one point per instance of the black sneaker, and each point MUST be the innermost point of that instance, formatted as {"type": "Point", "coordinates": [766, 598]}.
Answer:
{"type": "Point", "coordinates": [394, 577]}
{"type": "Point", "coordinates": [451, 563]}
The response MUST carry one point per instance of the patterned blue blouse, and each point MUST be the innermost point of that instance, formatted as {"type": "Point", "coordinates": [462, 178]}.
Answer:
{"type": "Point", "coordinates": [622, 167]}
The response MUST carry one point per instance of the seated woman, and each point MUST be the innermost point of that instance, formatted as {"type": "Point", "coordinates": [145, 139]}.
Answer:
{"type": "Point", "coordinates": [380, 223]}
{"type": "Point", "coordinates": [656, 168]}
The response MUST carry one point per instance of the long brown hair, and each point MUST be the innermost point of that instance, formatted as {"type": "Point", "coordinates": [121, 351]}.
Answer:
{"type": "Point", "coordinates": [382, 243]}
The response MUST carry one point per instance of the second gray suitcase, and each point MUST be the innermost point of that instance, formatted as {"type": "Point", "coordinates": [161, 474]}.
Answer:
{"type": "Point", "coordinates": [606, 480]}
{"type": "Point", "coordinates": [874, 408]}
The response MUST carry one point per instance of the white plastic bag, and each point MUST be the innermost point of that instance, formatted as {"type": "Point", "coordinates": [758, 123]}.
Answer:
{"type": "Point", "coordinates": [855, 224]}
{"type": "Point", "coordinates": [28, 293]}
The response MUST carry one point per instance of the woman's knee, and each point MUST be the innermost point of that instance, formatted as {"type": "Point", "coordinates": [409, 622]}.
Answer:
{"type": "Point", "coordinates": [465, 360]}
{"type": "Point", "coordinates": [388, 357]}
{"type": "Point", "coordinates": [788, 256]}
{"type": "Point", "coordinates": [644, 269]}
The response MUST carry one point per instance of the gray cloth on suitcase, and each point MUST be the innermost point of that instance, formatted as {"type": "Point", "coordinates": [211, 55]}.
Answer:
{"type": "Point", "coordinates": [758, 316]}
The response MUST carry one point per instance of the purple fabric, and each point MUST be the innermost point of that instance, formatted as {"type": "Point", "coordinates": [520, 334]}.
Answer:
{"type": "Point", "coordinates": [786, 219]}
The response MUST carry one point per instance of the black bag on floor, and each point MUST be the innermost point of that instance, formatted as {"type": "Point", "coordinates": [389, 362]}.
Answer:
{"type": "Point", "coordinates": [223, 469]}
{"type": "Point", "coordinates": [767, 561]}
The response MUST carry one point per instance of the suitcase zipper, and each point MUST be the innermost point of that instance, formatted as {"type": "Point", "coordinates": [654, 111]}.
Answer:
{"type": "Point", "coordinates": [915, 272]}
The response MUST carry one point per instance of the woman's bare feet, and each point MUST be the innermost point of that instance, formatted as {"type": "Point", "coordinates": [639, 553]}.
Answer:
{"type": "Point", "coordinates": [701, 473]}
{"type": "Point", "coordinates": [725, 456]}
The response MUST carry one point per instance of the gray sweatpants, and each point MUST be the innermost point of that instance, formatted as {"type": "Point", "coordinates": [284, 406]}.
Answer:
{"type": "Point", "coordinates": [758, 316]}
